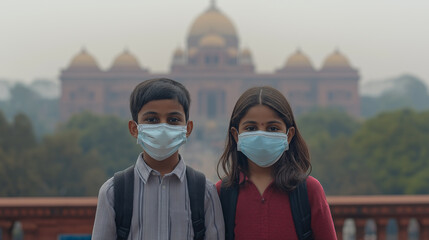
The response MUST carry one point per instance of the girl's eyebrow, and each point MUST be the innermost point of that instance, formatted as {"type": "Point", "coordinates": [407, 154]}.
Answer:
{"type": "Point", "coordinates": [249, 122]}
{"type": "Point", "coordinates": [274, 121]}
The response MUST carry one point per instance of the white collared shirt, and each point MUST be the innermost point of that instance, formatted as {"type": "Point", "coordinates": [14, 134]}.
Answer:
{"type": "Point", "coordinates": [161, 207]}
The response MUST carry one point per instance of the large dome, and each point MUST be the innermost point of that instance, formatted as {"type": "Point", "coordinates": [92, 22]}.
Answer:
{"type": "Point", "coordinates": [212, 40]}
{"type": "Point", "coordinates": [336, 60]}
{"type": "Point", "coordinates": [126, 61]}
{"type": "Point", "coordinates": [210, 22]}
{"type": "Point", "coordinates": [83, 60]}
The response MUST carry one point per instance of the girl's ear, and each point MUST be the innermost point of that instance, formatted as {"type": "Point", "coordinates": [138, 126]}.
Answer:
{"type": "Point", "coordinates": [234, 134]}
{"type": "Point", "coordinates": [132, 127]}
{"type": "Point", "coordinates": [189, 127]}
{"type": "Point", "coordinates": [290, 134]}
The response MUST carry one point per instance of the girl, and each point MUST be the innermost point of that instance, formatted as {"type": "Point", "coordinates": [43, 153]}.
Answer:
{"type": "Point", "coordinates": [267, 186]}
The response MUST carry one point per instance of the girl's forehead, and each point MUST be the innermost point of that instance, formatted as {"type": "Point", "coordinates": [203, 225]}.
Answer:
{"type": "Point", "coordinates": [261, 113]}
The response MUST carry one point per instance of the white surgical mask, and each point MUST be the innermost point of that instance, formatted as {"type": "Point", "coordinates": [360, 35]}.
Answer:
{"type": "Point", "coordinates": [161, 140]}
{"type": "Point", "coordinates": [261, 147]}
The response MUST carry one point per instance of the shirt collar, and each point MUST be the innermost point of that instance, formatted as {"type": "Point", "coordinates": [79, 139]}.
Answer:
{"type": "Point", "coordinates": [145, 171]}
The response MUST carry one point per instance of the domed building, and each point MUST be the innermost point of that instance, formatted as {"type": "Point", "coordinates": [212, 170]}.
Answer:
{"type": "Point", "coordinates": [216, 70]}
{"type": "Point", "coordinates": [83, 61]}
{"type": "Point", "coordinates": [126, 62]}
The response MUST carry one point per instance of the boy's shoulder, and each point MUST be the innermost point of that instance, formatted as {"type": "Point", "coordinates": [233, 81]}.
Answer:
{"type": "Point", "coordinates": [106, 191]}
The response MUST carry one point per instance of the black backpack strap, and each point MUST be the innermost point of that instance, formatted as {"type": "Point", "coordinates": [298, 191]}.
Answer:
{"type": "Point", "coordinates": [301, 211]}
{"type": "Point", "coordinates": [228, 198]}
{"type": "Point", "coordinates": [123, 186]}
{"type": "Point", "coordinates": [197, 190]}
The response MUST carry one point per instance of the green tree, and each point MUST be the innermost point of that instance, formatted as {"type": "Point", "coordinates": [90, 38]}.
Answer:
{"type": "Point", "coordinates": [327, 133]}
{"type": "Point", "coordinates": [4, 131]}
{"type": "Point", "coordinates": [392, 147]}
{"type": "Point", "coordinates": [65, 168]}
{"type": "Point", "coordinates": [16, 177]}
{"type": "Point", "coordinates": [108, 136]}
{"type": "Point", "coordinates": [44, 112]}
{"type": "Point", "coordinates": [57, 166]}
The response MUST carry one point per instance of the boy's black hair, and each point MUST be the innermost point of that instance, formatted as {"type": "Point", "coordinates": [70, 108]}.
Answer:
{"type": "Point", "coordinates": [158, 89]}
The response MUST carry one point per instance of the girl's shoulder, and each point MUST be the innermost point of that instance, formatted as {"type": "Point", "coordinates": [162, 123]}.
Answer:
{"type": "Point", "coordinates": [315, 189]}
{"type": "Point", "coordinates": [313, 182]}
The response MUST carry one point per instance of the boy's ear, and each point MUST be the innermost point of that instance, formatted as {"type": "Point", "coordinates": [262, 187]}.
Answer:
{"type": "Point", "coordinates": [234, 134]}
{"type": "Point", "coordinates": [189, 127]}
{"type": "Point", "coordinates": [132, 127]}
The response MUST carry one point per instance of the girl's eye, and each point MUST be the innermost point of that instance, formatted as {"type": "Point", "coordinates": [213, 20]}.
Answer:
{"type": "Point", "coordinates": [273, 129]}
{"type": "Point", "coordinates": [250, 128]}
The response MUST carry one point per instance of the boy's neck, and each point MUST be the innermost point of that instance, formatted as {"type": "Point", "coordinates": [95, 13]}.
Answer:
{"type": "Point", "coordinates": [163, 167]}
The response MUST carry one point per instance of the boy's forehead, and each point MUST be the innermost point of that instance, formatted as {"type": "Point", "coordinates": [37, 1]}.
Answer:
{"type": "Point", "coordinates": [162, 106]}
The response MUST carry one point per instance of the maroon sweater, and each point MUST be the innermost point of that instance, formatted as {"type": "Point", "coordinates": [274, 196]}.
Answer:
{"type": "Point", "coordinates": [269, 216]}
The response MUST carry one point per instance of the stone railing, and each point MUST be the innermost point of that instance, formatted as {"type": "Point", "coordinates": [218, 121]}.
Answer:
{"type": "Point", "coordinates": [49, 218]}
{"type": "Point", "coordinates": [381, 209]}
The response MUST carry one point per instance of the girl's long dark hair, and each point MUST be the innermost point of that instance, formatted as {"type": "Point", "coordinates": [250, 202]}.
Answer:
{"type": "Point", "coordinates": [293, 166]}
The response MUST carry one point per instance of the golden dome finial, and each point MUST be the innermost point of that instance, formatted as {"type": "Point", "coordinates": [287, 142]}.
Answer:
{"type": "Point", "coordinates": [337, 50]}
{"type": "Point", "coordinates": [212, 4]}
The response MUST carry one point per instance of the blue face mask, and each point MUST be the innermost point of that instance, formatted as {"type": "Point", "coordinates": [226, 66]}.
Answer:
{"type": "Point", "coordinates": [161, 140]}
{"type": "Point", "coordinates": [261, 147]}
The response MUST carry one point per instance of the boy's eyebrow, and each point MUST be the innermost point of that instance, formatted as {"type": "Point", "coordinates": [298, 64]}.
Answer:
{"type": "Point", "coordinates": [254, 122]}
{"type": "Point", "coordinates": [149, 113]}
{"type": "Point", "coordinates": [175, 113]}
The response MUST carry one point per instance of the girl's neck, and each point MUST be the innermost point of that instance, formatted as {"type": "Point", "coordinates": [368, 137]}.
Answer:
{"type": "Point", "coordinates": [163, 167]}
{"type": "Point", "coordinates": [260, 176]}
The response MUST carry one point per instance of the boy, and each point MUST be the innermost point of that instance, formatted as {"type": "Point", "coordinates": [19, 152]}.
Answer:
{"type": "Point", "coordinates": [161, 202]}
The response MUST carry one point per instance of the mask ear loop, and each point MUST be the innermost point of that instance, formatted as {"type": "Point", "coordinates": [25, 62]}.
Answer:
{"type": "Point", "coordinates": [137, 138]}
{"type": "Point", "coordinates": [287, 136]}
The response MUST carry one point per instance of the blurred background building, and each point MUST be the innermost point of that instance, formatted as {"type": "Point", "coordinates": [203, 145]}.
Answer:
{"type": "Point", "coordinates": [216, 70]}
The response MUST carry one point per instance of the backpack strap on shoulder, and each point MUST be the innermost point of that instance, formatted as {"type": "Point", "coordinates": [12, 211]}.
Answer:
{"type": "Point", "coordinates": [228, 198]}
{"type": "Point", "coordinates": [301, 211]}
{"type": "Point", "coordinates": [197, 190]}
{"type": "Point", "coordinates": [123, 187]}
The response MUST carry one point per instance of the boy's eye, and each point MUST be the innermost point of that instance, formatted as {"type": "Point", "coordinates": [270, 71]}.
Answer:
{"type": "Point", "coordinates": [151, 120]}
{"type": "Point", "coordinates": [174, 120]}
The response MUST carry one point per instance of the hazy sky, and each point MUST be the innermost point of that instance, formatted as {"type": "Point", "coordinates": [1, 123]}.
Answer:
{"type": "Point", "coordinates": [382, 38]}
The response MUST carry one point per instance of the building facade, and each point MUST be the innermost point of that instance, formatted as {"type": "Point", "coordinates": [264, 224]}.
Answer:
{"type": "Point", "coordinates": [215, 70]}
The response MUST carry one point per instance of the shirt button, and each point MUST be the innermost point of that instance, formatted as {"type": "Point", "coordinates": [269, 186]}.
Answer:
{"type": "Point", "coordinates": [163, 186]}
